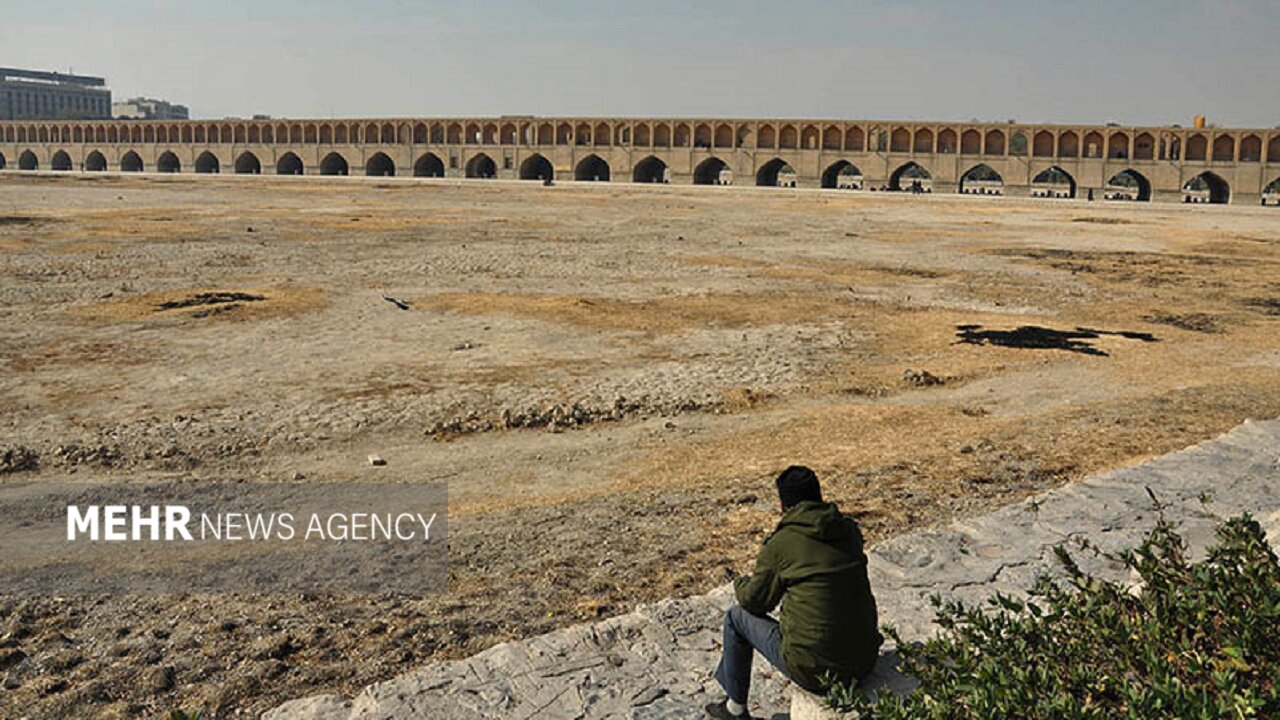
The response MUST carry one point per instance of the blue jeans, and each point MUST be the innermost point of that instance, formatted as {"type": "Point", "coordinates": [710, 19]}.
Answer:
{"type": "Point", "coordinates": [743, 634]}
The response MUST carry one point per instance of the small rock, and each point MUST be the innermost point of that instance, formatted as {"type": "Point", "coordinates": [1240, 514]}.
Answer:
{"type": "Point", "coordinates": [377, 461]}
{"type": "Point", "coordinates": [156, 679]}
{"type": "Point", "coordinates": [299, 476]}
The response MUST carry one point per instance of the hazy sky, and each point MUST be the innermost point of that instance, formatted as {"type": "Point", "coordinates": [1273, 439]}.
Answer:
{"type": "Point", "coordinates": [1134, 61]}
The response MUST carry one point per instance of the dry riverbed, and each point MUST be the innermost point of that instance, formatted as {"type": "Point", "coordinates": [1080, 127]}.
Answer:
{"type": "Point", "coordinates": [607, 378]}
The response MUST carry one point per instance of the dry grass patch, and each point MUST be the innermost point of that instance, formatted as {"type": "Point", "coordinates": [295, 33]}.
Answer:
{"type": "Point", "coordinates": [208, 304]}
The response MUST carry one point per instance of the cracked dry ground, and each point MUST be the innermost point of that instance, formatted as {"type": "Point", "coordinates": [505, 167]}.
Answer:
{"type": "Point", "coordinates": [607, 378]}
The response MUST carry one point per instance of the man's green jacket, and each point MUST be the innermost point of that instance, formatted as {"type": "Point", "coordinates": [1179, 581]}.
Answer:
{"type": "Point", "coordinates": [813, 563]}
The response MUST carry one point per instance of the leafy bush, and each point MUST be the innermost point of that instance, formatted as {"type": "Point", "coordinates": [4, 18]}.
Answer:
{"type": "Point", "coordinates": [1198, 640]}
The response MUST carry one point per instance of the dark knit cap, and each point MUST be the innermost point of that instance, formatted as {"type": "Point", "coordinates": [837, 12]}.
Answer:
{"type": "Point", "coordinates": [797, 484]}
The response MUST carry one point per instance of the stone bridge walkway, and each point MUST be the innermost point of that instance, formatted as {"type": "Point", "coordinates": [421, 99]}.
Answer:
{"type": "Point", "coordinates": [655, 662]}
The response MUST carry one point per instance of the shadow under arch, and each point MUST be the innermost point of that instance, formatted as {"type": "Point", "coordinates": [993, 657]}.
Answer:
{"type": "Point", "coordinates": [248, 164]}
{"type": "Point", "coordinates": [60, 161]}
{"type": "Point", "coordinates": [842, 174]}
{"type": "Point", "coordinates": [911, 171]}
{"type": "Point", "coordinates": [1051, 181]}
{"type": "Point", "coordinates": [776, 173]}
{"type": "Point", "coordinates": [1128, 184]}
{"type": "Point", "coordinates": [429, 165]}
{"type": "Point", "coordinates": [649, 170]}
{"type": "Point", "coordinates": [130, 162]}
{"type": "Point", "coordinates": [481, 166]}
{"type": "Point", "coordinates": [208, 164]}
{"type": "Point", "coordinates": [709, 172]}
{"type": "Point", "coordinates": [168, 163]}
{"type": "Point", "coordinates": [379, 165]}
{"type": "Point", "coordinates": [592, 168]}
{"type": "Point", "coordinates": [334, 164]}
{"type": "Point", "coordinates": [289, 164]}
{"type": "Point", "coordinates": [95, 161]}
{"type": "Point", "coordinates": [537, 167]}
{"type": "Point", "coordinates": [981, 179]}
{"type": "Point", "coordinates": [1207, 187]}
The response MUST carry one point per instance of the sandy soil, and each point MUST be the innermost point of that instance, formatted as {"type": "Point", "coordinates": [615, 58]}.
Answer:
{"type": "Point", "coordinates": [607, 378]}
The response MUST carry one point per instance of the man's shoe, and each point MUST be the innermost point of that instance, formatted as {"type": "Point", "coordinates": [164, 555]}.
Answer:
{"type": "Point", "coordinates": [718, 711]}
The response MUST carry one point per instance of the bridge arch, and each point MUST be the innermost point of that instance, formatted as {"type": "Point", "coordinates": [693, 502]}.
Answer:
{"type": "Point", "coordinates": [248, 164]}
{"type": "Point", "coordinates": [1271, 193]}
{"type": "Point", "coordinates": [912, 172]}
{"type": "Point", "coordinates": [334, 164]}
{"type": "Point", "coordinates": [289, 164]}
{"type": "Point", "coordinates": [95, 161]}
{"type": "Point", "coordinates": [1197, 147]}
{"type": "Point", "coordinates": [649, 170]}
{"type": "Point", "coordinates": [167, 163]}
{"type": "Point", "coordinates": [970, 142]}
{"type": "Point", "coordinates": [27, 161]}
{"type": "Point", "coordinates": [1251, 148]}
{"type": "Point", "coordinates": [711, 172]}
{"type": "Point", "coordinates": [900, 140]}
{"type": "Point", "coordinates": [1128, 184]}
{"type": "Point", "coordinates": [429, 165]}
{"type": "Point", "coordinates": [60, 161]}
{"type": "Point", "coordinates": [776, 173]}
{"type": "Point", "coordinates": [208, 163]}
{"type": "Point", "coordinates": [2, 161]}
{"type": "Point", "coordinates": [842, 174]}
{"type": "Point", "coordinates": [1053, 182]}
{"type": "Point", "coordinates": [1069, 145]}
{"type": "Point", "coordinates": [379, 165]}
{"type": "Point", "coordinates": [981, 179]}
{"type": "Point", "coordinates": [923, 142]}
{"type": "Point", "coordinates": [537, 167]}
{"type": "Point", "coordinates": [1207, 187]}
{"type": "Point", "coordinates": [1273, 150]}
{"type": "Point", "coordinates": [592, 167]}
{"type": "Point", "coordinates": [1224, 148]}
{"type": "Point", "coordinates": [481, 166]}
{"type": "Point", "coordinates": [131, 162]}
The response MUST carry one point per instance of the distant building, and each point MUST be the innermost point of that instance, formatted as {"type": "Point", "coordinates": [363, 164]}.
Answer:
{"type": "Point", "coordinates": [141, 108]}
{"type": "Point", "coordinates": [39, 95]}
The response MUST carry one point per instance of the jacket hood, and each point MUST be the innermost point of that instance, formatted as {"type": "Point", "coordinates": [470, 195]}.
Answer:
{"type": "Point", "coordinates": [819, 520]}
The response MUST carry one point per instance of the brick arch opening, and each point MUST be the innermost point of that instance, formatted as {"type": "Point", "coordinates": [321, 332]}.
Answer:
{"type": "Point", "coordinates": [711, 172]}
{"type": "Point", "coordinates": [1207, 187]}
{"type": "Point", "coordinates": [843, 175]}
{"type": "Point", "coordinates": [981, 179]}
{"type": "Point", "coordinates": [27, 161]}
{"type": "Point", "coordinates": [1128, 184]}
{"type": "Point", "coordinates": [334, 164]}
{"type": "Point", "coordinates": [248, 164]}
{"type": "Point", "coordinates": [592, 168]}
{"type": "Point", "coordinates": [95, 161]}
{"type": "Point", "coordinates": [289, 164]}
{"type": "Point", "coordinates": [168, 162]}
{"type": "Point", "coordinates": [208, 163]}
{"type": "Point", "coordinates": [649, 170]}
{"type": "Point", "coordinates": [429, 165]}
{"type": "Point", "coordinates": [481, 166]}
{"type": "Point", "coordinates": [912, 173]}
{"type": "Point", "coordinates": [776, 173]}
{"type": "Point", "coordinates": [379, 165]}
{"type": "Point", "coordinates": [1053, 182]}
{"type": "Point", "coordinates": [131, 162]}
{"type": "Point", "coordinates": [537, 167]}
{"type": "Point", "coordinates": [60, 162]}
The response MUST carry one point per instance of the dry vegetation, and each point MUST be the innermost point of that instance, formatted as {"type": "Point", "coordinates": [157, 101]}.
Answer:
{"type": "Point", "coordinates": [607, 378]}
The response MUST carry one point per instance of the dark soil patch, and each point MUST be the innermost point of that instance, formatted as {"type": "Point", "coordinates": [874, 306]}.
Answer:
{"type": "Point", "coordinates": [1042, 338]}
{"type": "Point", "coordinates": [1195, 322]}
{"type": "Point", "coordinates": [209, 298]}
{"type": "Point", "coordinates": [25, 220]}
{"type": "Point", "coordinates": [1268, 305]}
{"type": "Point", "coordinates": [1102, 220]}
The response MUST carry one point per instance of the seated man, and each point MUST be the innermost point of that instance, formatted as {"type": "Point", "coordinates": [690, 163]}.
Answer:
{"type": "Point", "coordinates": [813, 563]}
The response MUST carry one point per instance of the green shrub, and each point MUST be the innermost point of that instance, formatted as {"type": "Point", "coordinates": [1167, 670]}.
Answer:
{"type": "Point", "coordinates": [1200, 640]}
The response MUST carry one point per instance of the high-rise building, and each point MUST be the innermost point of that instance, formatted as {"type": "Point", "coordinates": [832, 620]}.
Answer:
{"type": "Point", "coordinates": [39, 95]}
{"type": "Point", "coordinates": [141, 108]}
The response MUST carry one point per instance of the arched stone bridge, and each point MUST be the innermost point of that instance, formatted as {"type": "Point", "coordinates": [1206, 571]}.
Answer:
{"type": "Point", "coordinates": [1111, 162]}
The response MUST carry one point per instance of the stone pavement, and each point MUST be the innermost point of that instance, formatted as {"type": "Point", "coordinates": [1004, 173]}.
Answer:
{"type": "Point", "coordinates": [655, 662]}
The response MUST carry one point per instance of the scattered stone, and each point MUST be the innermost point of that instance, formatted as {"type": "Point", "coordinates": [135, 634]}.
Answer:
{"type": "Point", "coordinates": [921, 378]}
{"type": "Point", "coordinates": [18, 459]}
{"type": "Point", "coordinates": [377, 461]}
{"type": "Point", "coordinates": [209, 298]}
